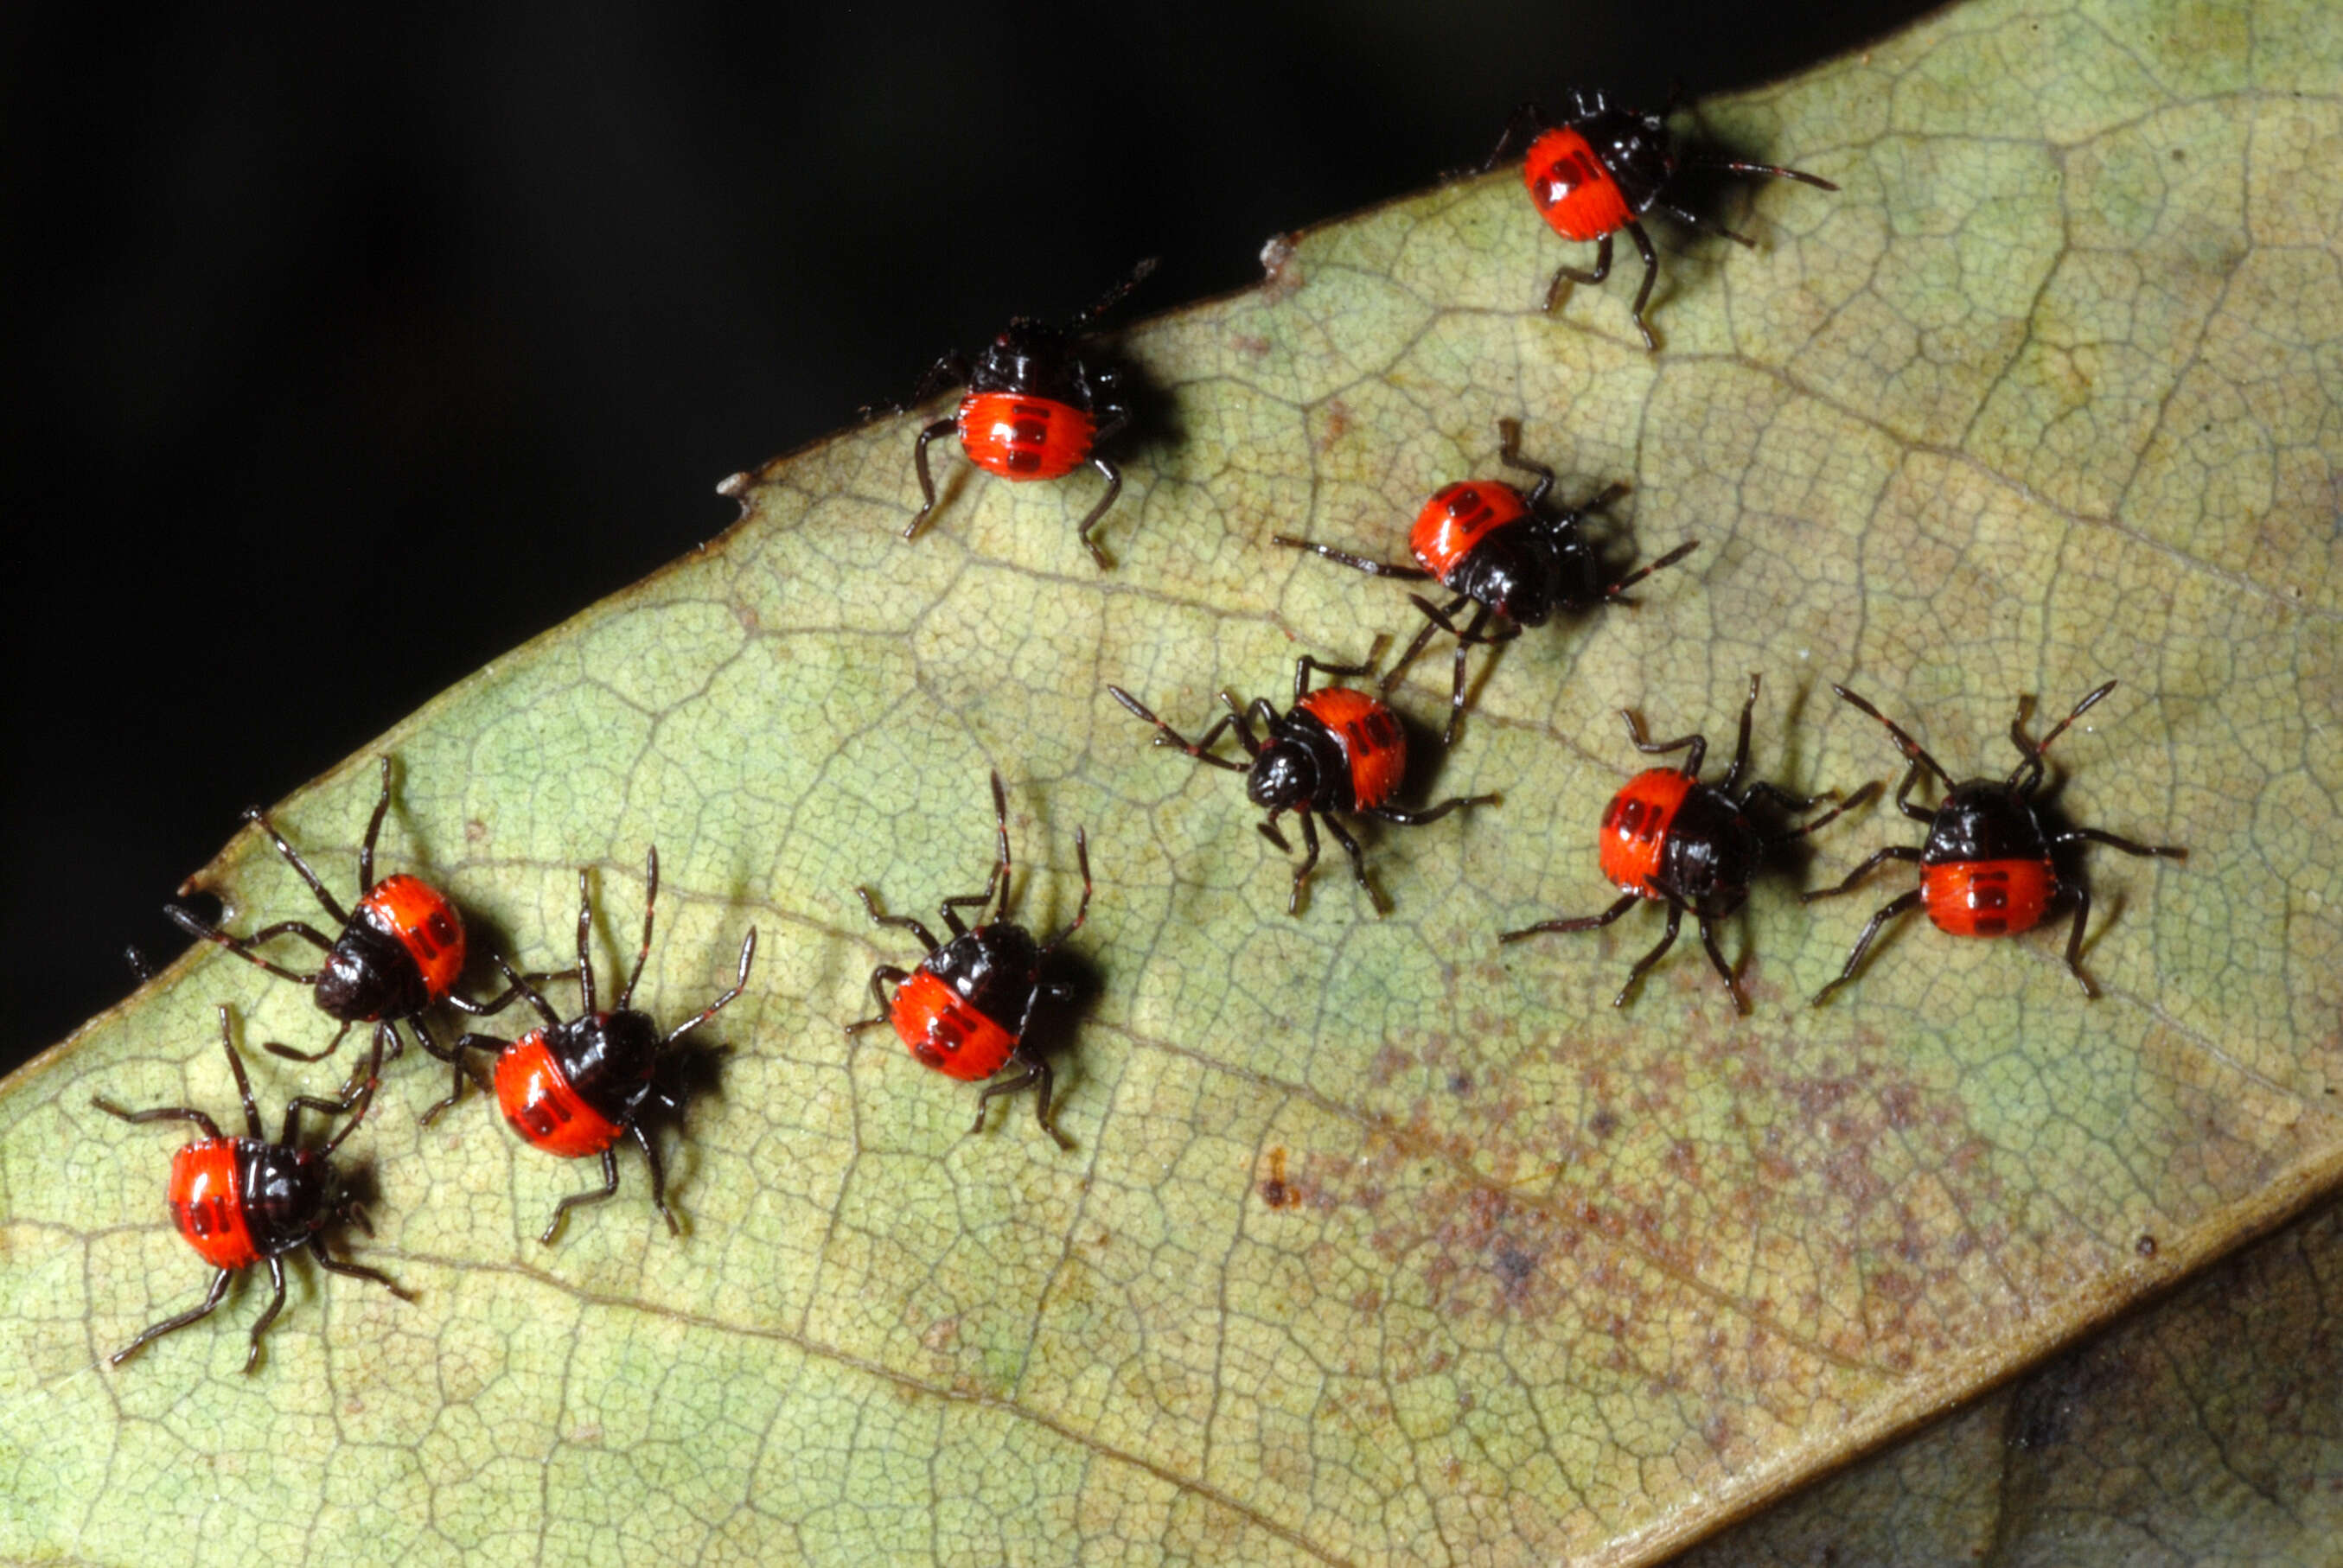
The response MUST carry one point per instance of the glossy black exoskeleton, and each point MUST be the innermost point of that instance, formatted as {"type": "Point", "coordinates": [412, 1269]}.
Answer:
{"type": "Point", "coordinates": [1984, 819]}
{"type": "Point", "coordinates": [1633, 145]}
{"type": "Point", "coordinates": [368, 975]}
{"type": "Point", "coordinates": [995, 967]}
{"type": "Point", "coordinates": [286, 1192]}
{"type": "Point", "coordinates": [1712, 851]}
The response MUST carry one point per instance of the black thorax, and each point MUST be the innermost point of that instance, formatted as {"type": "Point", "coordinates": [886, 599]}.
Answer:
{"type": "Point", "coordinates": [993, 968]}
{"type": "Point", "coordinates": [1634, 148]}
{"type": "Point", "coordinates": [283, 1194]}
{"type": "Point", "coordinates": [1712, 853]}
{"type": "Point", "coordinates": [607, 1058]}
{"type": "Point", "coordinates": [1985, 819]}
{"type": "Point", "coordinates": [1031, 360]}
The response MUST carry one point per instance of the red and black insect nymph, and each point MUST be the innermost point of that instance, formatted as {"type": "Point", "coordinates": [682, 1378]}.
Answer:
{"type": "Point", "coordinates": [576, 1086]}
{"type": "Point", "coordinates": [1499, 550]}
{"type": "Point", "coordinates": [1336, 750]}
{"type": "Point", "coordinates": [1670, 838]}
{"type": "Point", "coordinates": [1036, 408]}
{"type": "Point", "coordinates": [968, 1009]}
{"type": "Point", "coordinates": [1990, 868]}
{"type": "Point", "coordinates": [238, 1201]}
{"type": "Point", "coordinates": [399, 956]}
{"type": "Point", "coordinates": [1601, 170]}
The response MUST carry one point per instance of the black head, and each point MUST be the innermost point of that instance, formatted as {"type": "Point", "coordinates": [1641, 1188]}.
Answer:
{"type": "Point", "coordinates": [368, 975]}
{"type": "Point", "coordinates": [1284, 777]}
{"type": "Point", "coordinates": [1634, 148]}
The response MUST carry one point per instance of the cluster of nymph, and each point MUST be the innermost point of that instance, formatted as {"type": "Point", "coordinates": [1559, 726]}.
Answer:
{"type": "Point", "coordinates": [573, 1088]}
{"type": "Point", "coordinates": [1039, 404]}
{"type": "Point", "coordinates": [1036, 408]}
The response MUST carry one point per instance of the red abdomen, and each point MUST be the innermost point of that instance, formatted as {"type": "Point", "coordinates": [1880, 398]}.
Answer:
{"type": "Point", "coordinates": [1573, 191]}
{"type": "Point", "coordinates": [1635, 828]}
{"type": "Point", "coordinates": [945, 1032]}
{"type": "Point", "coordinates": [537, 1099]}
{"type": "Point", "coordinates": [1988, 898]}
{"type": "Point", "coordinates": [1458, 519]}
{"type": "Point", "coordinates": [1024, 437]}
{"type": "Point", "coordinates": [426, 924]}
{"type": "Point", "coordinates": [207, 1202]}
{"type": "Point", "coordinates": [1370, 736]}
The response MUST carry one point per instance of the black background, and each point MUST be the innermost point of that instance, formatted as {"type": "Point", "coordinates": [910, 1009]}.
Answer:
{"type": "Point", "coordinates": [347, 352]}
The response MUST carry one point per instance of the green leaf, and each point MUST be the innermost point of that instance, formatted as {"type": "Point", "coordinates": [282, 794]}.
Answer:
{"type": "Point", "coordinates": [1377, 1244]}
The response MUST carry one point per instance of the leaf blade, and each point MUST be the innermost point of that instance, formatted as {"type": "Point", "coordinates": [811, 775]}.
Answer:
{"type": "Point", "coordinates": [1376, 1246]}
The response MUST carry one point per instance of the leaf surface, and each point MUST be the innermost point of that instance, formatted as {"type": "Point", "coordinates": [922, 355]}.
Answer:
{"type": "Point", "coordinates": [1377, 1244]}
{"type": "Point", "coordinates": [2206, 1430]}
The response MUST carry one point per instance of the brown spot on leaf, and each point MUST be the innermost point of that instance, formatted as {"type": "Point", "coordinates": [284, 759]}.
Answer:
{"type": "Point", "coordinates": [1478, 1251]}
{"type": "Point", "coordinates": [1682, 1161]}
{"type": "Point", "coordinates": [1514, 1266]}
{"type": "Point", "coordinates": [1275, 1190]}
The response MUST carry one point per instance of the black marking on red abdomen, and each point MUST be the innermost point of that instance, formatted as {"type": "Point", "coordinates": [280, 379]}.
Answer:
{"type": "Point", "coordinates": [203, 1220]}
{"type": "Point", "coordinates": [1029, 437]}
{"type": "Point", "coordinates": [546, 1116]}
